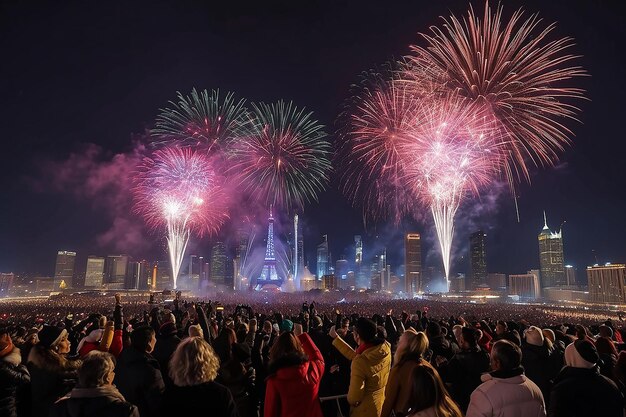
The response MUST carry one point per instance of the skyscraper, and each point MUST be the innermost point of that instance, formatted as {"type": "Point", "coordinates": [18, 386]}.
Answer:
{"type": "Point", "coordinates": [298, 256]}
{"type": "Point", "coordinates": [195, 271]}
{"type": "Point", "coordinates": [218, 263]}
{"type": "Point", "coordinates": [137, 276]}
{"type": "Point", "coordinates": [341, 269]}
{"type": "Point", "coordinates": [64, 270]}
{"type": "Point", "coordinates": [361, 277]}
{"type": "Point", "coordinates": [94, 273]}
{"type": "Point", "coordinates": [162, 276]}
{"type": "Point", "coordinates": [478, 259]}
{"type": "Point", "coordinates": [322, 258]}
{"type": "Point", "coordinates": [551, 257]}
{"type": "Point", "coordinates": [412, 263]}
{"type": "Point", "coordinates": [607, 283]}
{"type": "Point", "coordinates": [525, 286]}
{"type": "Point", "coordinates": [570, 275]}
{"type": "Point", "coordinates": [115, 271]}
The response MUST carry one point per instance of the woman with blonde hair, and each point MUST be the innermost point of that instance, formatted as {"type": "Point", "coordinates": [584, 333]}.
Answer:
{"type": "Point", "coordinates": [412, 348]}
{"type": "Point", "coordinates": [429, 396]}
{"type": "Point", "coordinates": [193, 369]}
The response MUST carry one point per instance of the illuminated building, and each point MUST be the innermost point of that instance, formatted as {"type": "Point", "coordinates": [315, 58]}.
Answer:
{"type": "Point", "coordinates": [329, 282]}
{"type": "Point", "coordinates": [551, 257]}
{"type": "Point", "coordinates": [322, 258]}
{"type": "Point", "coordinates": [269, 276]}
{"type": "Point", "coordinates": [478, 259]}
{"type": "Point", "coordinates": [94, 273]}
{"type": "Point", "coordinates": [570, 275]}
{"type": "Point", "coordinates": [607, 283]}
{"type": "Point", "coordinates": [298, 251]}
{"type": "Point", "coordinates": [412, 263]}
{"type": "Point", "coordinates": [163, 277]}
{"type": "Point", "coordinates": [341, 269]}
{"type": "Point", "coordinates": [64, 269]}
{"type": "Point", "coordinates": [525, 286]}
{"type": "Point", "coordinates": [195, 271]}
{"type": "Point", "coordinates": [115, 271]}
{"type": "Point", "coordinates": [218, 264]}
{"type": "Point", "coordinates": [496, 282]}
{"type": "Point", "coordinates": [137, 277]}
{"type": "Point", "coordinates": [6, 282]}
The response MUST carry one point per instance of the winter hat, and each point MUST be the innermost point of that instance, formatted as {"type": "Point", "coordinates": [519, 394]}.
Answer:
{"type": "Point", "coordinates": [534, 336]}
{"type": "Point", "coordinates": [549, 334]}
{"type": "Point", "coordinates": [275, 327]}
{"type": "Point", "coordinates": [167, 329]}
{"type": "Point", "coordinates": [286, 325]}
{"type": "Point", "coordinates": [50, 336]}
{"type": "Point", "coordinates": [195, 331]}
{"type": "Point", "coordinates": [581, 354]}
{"type": "Point", "coordinates": [6, 344]}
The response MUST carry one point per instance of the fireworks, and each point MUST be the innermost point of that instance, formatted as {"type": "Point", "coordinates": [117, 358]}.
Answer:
{"type": "Point", "coordinates": [283, 158]}
{"type": "Point", "coordinates": [514, 70]}
{"type": "Point", "coordinates": [179, 188]}
{"type": "Point", "coordinates": [479, 101]}
{"type": "Point", "coordinates": [201, 119]}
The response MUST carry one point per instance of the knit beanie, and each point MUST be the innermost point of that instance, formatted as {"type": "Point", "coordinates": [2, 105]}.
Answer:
{"type": "Point", "coordinates": [581, 354]}
{"type": "Point", "coordinates": [286, 325]}
{"type": "Point", "coordinates": [50, 336]}
{"type": "Point", "coordinates": [534, 336]}
{"type": "Point", "coordinates": [195, 331]}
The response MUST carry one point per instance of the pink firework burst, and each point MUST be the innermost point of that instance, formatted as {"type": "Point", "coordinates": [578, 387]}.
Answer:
{"type": "Point", "coordinates": [180, 189]}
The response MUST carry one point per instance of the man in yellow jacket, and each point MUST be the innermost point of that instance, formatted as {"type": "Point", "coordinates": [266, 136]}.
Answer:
{"type": "Point", "coordinates": [370, 367]}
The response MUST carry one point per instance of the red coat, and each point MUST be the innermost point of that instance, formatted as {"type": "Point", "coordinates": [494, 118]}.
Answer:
{"type": "Point", "coordinates": [292, 391]}
{"type": "Point", "coordinates": [115, 349]}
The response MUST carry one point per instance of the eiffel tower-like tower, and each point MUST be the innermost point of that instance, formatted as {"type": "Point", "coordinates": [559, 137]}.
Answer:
{"type": "Point", "coordinates": [269, 278]}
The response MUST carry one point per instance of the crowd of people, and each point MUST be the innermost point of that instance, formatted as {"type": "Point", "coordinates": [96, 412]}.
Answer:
{"type": "Point", "coordinates": [90, 356]}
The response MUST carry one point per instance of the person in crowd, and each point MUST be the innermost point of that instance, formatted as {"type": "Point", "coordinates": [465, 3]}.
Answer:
{"type": "Point", "coordinates": [437, 342]}
{"type": "Point", "coordinates": [165, 346]}
{"type": "Point", "coordinates": [463, 371]}
{"type": "Point", "coordinates": [538, 361]}
{"type": "Point", "coordinates": [52, 374]}
{"type": "Point", "coordinates": [295, 371]}
{"type": "Point", "coordinates": [580, 389]}
{"type": "Point", "coordinates": [369, 370]}
{"type": "Point", "coordinates": [506, 391]}
{"type": "Point", "coordinates": [608, 355]}
{"type": "Point", "coordinates": [30, 340]}
{"type": "Point", "coordinates": [239, 376]}
{"type": "Point", "coordinates": [503, 332]}
{"type": "Point", "coordinates": [95, 395]}
{"type": "Point", "coordinates": [223, 344]}
{"type": "Point", "coordinates": [14, 378]}
{"type": "Point", "coordinates": [193, 369]}
{"type": "Point", "coordinates": [139, 377]}
{"type": "Point", "coordinates": [429, 396]}
{"type": "Point", "coordinates": [412, 347]}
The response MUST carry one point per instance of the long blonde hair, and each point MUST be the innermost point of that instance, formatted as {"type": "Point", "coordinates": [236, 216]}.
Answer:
{"type": "Point", "coordinates": [194, 362]}
{"type": "Point", "coordinates": [416, 347]}
{"type": "Point", "coordinates": [428, 390]}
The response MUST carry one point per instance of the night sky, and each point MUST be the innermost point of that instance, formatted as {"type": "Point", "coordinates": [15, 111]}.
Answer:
{"type": "Point", "coordinates": [80, 77]}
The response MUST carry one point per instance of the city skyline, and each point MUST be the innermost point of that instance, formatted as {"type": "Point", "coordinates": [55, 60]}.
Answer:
{"type": "Point", "coordinates": [48, 210]}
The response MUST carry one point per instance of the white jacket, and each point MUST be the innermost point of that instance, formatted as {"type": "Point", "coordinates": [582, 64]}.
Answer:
{"type": "Point", "coordinates": [516, 396]}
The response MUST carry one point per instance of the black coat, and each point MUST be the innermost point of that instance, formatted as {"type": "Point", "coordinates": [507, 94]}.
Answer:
{"type": "Point", "coordinates": [584, 392]}
{"type": "Point", "coordinates": [541, 366]}
{"type": "Point", "coordinates": [463, 373]}
{"type": "Point", "coordinates": [51, 377]}
{"type": "Point", "coordinates": [240, 380]}
{"type": "Point", "coordinates": [94, 403]}
{"type": "Point", "coordinates": [14, 380]}
{"type": "Point", "coordinates": [139, 379]}
{"type": "Point", "coordinates": [191, 400]}
{"type": "Point", "coordinates": [163, 351]}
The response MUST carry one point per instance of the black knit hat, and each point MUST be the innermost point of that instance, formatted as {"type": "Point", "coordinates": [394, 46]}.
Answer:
{"type": "Point", "coordinates": [50, 336]}
{"type": "Point", "coordinates": [587, 350]}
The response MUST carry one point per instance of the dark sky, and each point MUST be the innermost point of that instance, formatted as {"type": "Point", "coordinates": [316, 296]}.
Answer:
{"type": "Point", "coordinates": [78, 73]}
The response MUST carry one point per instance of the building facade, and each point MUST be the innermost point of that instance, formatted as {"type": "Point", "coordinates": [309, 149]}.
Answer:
{"type": "Point", "coordinates": [525, 286]}
{"type": "Point", "coordinates": [607, 283]}
{"type": "Point", "coordinates": [64, 270]}
{"type": "Point", "coordinates": [551, 257]}
{"type": "Point", "coordinates": [412, 263]}
{"type": "Point", "coordinates": [478, 259]}
{"type": "Point", "coordinates": [94, 273]}
{"type": "Point", "coordinates": [218, 264]}
{"type": "Point", "coordinates": [116, 271]}
{"type": "Point", "coordinates": [323, 258]}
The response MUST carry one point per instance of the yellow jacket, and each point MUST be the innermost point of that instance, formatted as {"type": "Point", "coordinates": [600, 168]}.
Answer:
{"type": "Point", "coordinates": [369, 373]}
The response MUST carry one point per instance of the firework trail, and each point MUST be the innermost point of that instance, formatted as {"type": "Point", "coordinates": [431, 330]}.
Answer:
{"type": "Point", "coordinates": [515, 71]}
{"type": "Point", "coordinates": [282, 159]}
{"type": "Point", "coordinates": [201, 119]}
{"type": "Point", "coordinates": [451, 153]}
{"type": "Point", "coordinates": [180, 189]}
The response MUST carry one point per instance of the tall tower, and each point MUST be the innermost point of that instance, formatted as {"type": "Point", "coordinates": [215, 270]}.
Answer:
{"type": "Point", "coordinates": [269, 276]}
{"type": "Point", "coordinates": [551, 257]}
{"type": "Point", "coordinates": [218, 263]}
{"type": "Point", "coordinates": [360, 277]}
{"type": "Point", "coordinates": [64, 269]}
{"type": "Point", "coordinates": [478, 259]}
{"type": "Point", "coordinates": [298, 255]}
{"type": "Point", "coordinates": [412, 263]}
{"type": "Point", "coordinates": [322, 258]}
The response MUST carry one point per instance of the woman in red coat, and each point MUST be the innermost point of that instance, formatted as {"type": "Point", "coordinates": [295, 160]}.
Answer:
{"type": "Point", "coordinates": [296, 368]}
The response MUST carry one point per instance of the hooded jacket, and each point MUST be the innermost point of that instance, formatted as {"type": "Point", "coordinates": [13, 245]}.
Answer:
{"type": "Point", "coordinates": [103, 401]}
{"type": "Point", "coordinates": [369, 372]}
{"type": "Point", "coordinates": [511, 395]}
{"type": "Point", "coordinates": [14, 378]}
{"type": "Point", "coordinates": [293, 385]}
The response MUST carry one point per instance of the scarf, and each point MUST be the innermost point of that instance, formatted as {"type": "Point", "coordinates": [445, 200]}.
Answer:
{"type": "Point", "coordinates": [507, 373]}
{"type": "Point", "coordinates": [363, 347]}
